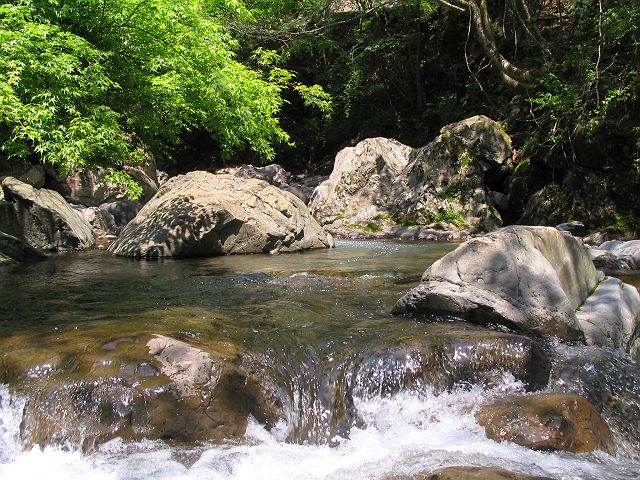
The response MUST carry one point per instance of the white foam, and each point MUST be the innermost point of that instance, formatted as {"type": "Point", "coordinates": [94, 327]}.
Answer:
{"type": "Point", "coordinates": [404, 434]}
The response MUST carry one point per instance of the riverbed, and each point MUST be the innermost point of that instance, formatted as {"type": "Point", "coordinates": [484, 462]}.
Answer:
{"type": "Point", "coordinates": [305, 316]}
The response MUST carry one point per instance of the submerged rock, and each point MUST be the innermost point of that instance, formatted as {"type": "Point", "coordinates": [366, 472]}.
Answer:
{"type": "Point", "coordinates": [610, 381]}
{"type": "Point", "coordinates": [547, 422]}
{"type": "Point", "coordinates": [201, 214]}
{"type": "Point", "coordinates": [472, 473]}
{"type": "Point", "coordinates": [83, 392]}
{"type": "Point", "coordinates": [532, 280]}
{"type": "Point", "coordinates": [42, 218]}
{"type": "Point", "coordinates": [381, 184]}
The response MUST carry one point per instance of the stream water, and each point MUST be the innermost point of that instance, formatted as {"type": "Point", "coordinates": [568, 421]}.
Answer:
{"type": "Point", "coordinates": [307, 318]}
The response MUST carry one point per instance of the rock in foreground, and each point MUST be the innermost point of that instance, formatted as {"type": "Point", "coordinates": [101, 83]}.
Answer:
{"type": "Point", "coordinates": [475, 473]}
{"type": "Point", "coordinates": [547, 422]}
{"type": "Point", "coordinates": [201, 214]}
{"type": "Point", "coordinates": [137, 387]}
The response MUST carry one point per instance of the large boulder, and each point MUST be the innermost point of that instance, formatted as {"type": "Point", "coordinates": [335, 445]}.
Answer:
{"type": "Point", "coordinates": [42, 218]}
{"type": "Point", "coordinates": [201, 214]}
{"type": "Point", "coordinates": [547, 422]}
{"type": "Point", "coordinates": [364, 184]}
{"type": "Point", "coordinates": [381, 184]}
{"type": "Point", "coordinates": [530, 279]}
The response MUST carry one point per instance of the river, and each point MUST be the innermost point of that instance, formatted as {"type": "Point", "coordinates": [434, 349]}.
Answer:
{"type": "Point", "coordinates": [305, 317]}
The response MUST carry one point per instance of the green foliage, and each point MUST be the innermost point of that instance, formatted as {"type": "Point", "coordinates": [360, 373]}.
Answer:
{"type": "Point", "coordinates": [51, 84]}
{"type": "Point", "coordinates": [367, 227]}
{"type": "Point", "coordinates": [428, 217]}
{"type": "Point", "coordinates": [591, 92]}
{"type": "Point", "coordinates": [625, 221]}
{"type": "Point", "coordinates": [85, 82]}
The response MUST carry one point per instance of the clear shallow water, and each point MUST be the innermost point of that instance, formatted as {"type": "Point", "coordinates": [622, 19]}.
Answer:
{"type": "Point", "coordinates": [302, 313]}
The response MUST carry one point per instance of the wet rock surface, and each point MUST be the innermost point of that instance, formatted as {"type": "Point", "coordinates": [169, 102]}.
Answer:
{"type": "Point", "coordinates": [610, 381]}
{"type": "Point", "coordinates": [201, 214]}
{"type": "Point", "coordinates": [84, 392]}
{"type": "Point", "coordinates": [450, 355]}
{"type": "Point", "coordinates": [547, 422]}
{"type": "Point", "coordinates": [381, 184]}
{"type": "Point", "coordinates": [471, 473]}
{"type": "Point", "coordinates": [42, 218]}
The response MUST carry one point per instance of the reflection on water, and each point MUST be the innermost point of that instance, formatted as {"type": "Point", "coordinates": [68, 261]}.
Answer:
{"type": "Point", "coordinates": [305, 316]}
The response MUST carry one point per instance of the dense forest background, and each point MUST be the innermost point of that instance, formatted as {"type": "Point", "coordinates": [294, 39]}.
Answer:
{"type": "Point", "coordinates": [201, 84]}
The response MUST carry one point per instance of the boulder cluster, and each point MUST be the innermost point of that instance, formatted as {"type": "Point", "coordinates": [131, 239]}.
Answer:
{"type": "Point", "coordinates": [522, 288]}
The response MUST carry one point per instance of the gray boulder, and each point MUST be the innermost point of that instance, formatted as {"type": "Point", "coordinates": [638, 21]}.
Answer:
{"type": "Point", "coordinates": [626, 252]}
{"type": "Point", "coordinates": [23, 170]}
{"type": "Point", "coordinates": [611, 314]}
{"type": "Point", "coordinates": [530, 279]}
{"type": "Point", "coordinates": [101, 221]}
{"type": "Point", "coordinates": [201, 214]}
{"type": "Point", "coordinates": [42, 218]}
{"type": "Point", "coordinates": [122, 211]}
{"type": "Point", "coordinates": [273, 174]}
{"type": "Point", "coordinates": [90, 187]}
{"type": "Point", "coordinates": [14, 250]}
{"type": "Point", "coordinates": [381, 184]}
